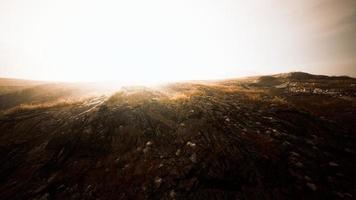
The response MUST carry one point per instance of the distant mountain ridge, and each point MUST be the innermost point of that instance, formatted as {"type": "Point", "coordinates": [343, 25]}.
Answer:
{"type": "Point", "coordinates": [276, 79]}
{"type": "Point", "coordinates": [304, 75]}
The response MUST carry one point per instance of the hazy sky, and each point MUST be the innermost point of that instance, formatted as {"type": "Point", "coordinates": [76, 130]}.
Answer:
{"type": "Point", "coordinates": [141, 40]}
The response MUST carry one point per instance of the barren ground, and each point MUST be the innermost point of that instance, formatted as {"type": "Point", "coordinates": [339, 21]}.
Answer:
{"type": "Point", "coordinates": [289, 136]}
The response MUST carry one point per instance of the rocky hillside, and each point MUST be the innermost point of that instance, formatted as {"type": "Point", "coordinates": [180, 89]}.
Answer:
{"type": "Point", "coordinates": [236, 139]}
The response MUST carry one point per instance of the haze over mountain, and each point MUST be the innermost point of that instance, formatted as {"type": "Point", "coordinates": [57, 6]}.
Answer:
{"type": "Point", "coordinates": [160, 40]}
{"type": "Point", "coordinates": [177, 99]}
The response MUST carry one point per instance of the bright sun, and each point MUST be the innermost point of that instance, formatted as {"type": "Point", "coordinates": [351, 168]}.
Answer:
{"type": "Point", "coordinates": [143, 41]}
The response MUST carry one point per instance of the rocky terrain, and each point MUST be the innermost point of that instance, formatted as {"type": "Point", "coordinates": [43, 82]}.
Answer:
{"type": "Point", "coordinates": [286, 136]}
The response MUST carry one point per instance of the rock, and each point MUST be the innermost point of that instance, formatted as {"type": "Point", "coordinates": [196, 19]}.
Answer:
{"type": "Point", "coordinates": [191, 144]}
{"type": "Point", "coordinates": [44, 197]}
{"type": "Point", "coordinates": [227, 119]}
{"type": "Point", "coordinates": [299, 164]}
{"type": "Point", "coordinates": [339, 194]}
{"type": "Point", "coordinates": [88, 188]}
{"type": "Point", "coordinates": [307, 178]}
{"type": "Point", "coordinates": [310, 142]}
{"type": "Point", "coordinates": [149, 143]}
{"type": "Point", "coordinates": [61, 187]}
{"type": "Point", "coordinates": [348, 150]}
{"type": "Point", "coordinates": [158, 181]}
{"type": "Point", "coordinates": [312, 186]}
{"type": "Point", "coordinates": [182, 124]}
{"type": "Point", "coordinates": [172, 194]}
{"type": "Point", "coordinates": [286, 144]}
{"type": "Point", "coordinates": [145, 150]}
{"type": "Point", "coordinates": [333, 164]}
{"type": "Point", "coordinates": [193, 158]}
{"type": "Point", "coordinates": [295, 154]}
{"type": "Point", "coordinates": [178, 152]}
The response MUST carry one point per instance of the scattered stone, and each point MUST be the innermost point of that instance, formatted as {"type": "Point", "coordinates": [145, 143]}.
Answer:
{"type": "Point", "coordinates": [307, 178]}
{"type": "Point", "coordinates": [88, 188]}
{"type": "Point", "coordinates": [193, 157]}
{"type": "Point", "coordinates": [178, 152]}
{"type": "Point", "coordinates": [149, 143]}
{"type": "Point", "coordinates": [333, 164]}
{"type": "Point", "coordinates": [286, 144]}
{"type": "Point", "coordinates": [339, 194]}
{"type": "Point", "coordinates": [348, 195]}
{"type": "Point", "coordinates": [146, 149]}
{"type": "Point", "coordinates": [158, 181]}
{"type": "Point", "coordinates": [227, 119]}
{"type": "Point", "coordinates": [60, 187]}
{"type": "Point", "coordinates": [312, 186]}
{"type": "Point", "coordinates": [299, 164]}
{"type": "Point", "coordinates": [310, 142]}
{"type": "Point", "coordinates": [348, 150]}
{"type": "Point", "coordinates": [172, 194]}
{"type": "Point", "coordinates": [191, 144]}
{"type": "Point", "coordinates": [126, 166]}
{"type": "Point", "coordinates": [144, 188]}
{"type": "Point", "coordinates": [295, 154]}
{"type": "Point", "coordinates": [182, 124]}
{"type": "Point", "coordinates": [44, 197]}
{"type": "Point", "coordinates": [340, 174]}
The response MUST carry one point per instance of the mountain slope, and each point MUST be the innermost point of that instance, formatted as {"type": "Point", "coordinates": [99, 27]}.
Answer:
{"type": "Point", "coordinates": [226, 140]}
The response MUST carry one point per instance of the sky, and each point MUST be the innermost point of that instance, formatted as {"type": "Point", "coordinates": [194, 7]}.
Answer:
{"type": "Point", "coordinates": [170, 40]}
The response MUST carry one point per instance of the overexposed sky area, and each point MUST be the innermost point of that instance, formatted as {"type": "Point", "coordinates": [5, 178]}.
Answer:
{"type": "Point", "coordinates": [167, 40]}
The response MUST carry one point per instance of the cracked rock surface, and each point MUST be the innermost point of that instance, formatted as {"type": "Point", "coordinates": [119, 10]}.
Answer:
{"type": "Point", "coordinates": [224, 140]}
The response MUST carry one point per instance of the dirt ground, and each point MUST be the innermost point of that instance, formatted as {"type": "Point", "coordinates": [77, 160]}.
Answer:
{"type": "Point", "coordinates": [277, 137]}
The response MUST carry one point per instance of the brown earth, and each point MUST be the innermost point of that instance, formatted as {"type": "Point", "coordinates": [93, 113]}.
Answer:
{"type": "Point", "coordinates": [287, 136]}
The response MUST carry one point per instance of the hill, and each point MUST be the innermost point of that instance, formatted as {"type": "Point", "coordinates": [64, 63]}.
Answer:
{"type": "Point", "coordinates": [272, 137]}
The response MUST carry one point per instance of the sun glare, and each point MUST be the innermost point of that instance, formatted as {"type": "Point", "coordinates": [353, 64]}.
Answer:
{"type": "Point", "coordinates": [143, 41]}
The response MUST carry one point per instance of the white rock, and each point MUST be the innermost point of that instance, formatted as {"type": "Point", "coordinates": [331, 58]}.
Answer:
{"type": "Point", "coordinates": [191, 144]}
{"type": "Point", "coordinates": [178, 152]}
